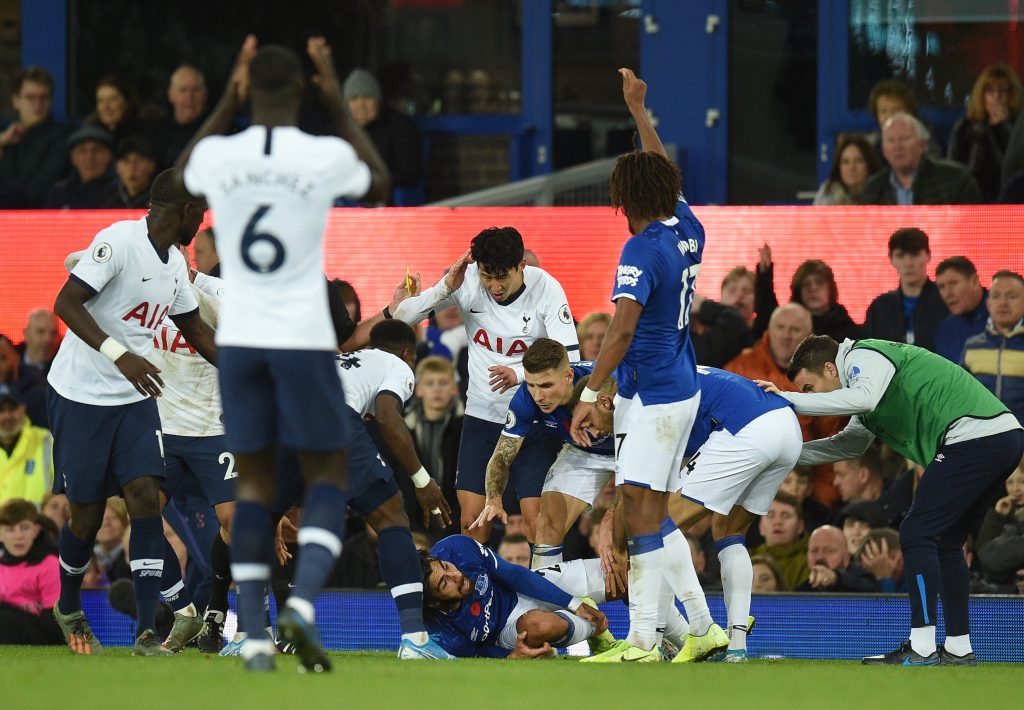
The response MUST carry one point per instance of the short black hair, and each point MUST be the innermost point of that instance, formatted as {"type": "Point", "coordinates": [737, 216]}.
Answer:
{"type": "Point", "coordinates": [910, 240]}
{"type": "Point", "coordinates": [1007, 274]}
{"type": "Point", "coordinates": [36, 74]}
{"type": "Point", "coordinates": [960, 264]}
{"type": "Point", "coordinates": [515, 539]}
{"type": "Point", "coordinates": [498, 250]}
{"type": "Point", "coordinates": [393, 336]}
{"type": "Point", "coordinates": [274, 68]}
{"type": "Point", "coordinates": [168, 190]}
{"type": "Point", "coordinates": [811, 354]}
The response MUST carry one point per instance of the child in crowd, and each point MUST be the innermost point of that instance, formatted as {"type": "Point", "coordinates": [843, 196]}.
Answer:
{"type": "Point", "coordinates": [29, 577]}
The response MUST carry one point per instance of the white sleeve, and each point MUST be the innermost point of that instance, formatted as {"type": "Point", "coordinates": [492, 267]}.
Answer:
{"type": "Point", "coordinates": [868, 375]}
{"type": "Point", "coordinates": [399, 380]}
{"type": "Point", "coordinates": [105, 258]}
{"type": "Point", "coordinates": [415, 308]}
{"type": "Point", "coordinates": [184, 300]}
{"type": "Point", "coordinates": [349, 176]}
{"type": "Point", "coordinates": [210, 285]}
{"type": "Point", "coordinates": [558, 318]}
{"type": "Point", "coordinates": [850, 442]}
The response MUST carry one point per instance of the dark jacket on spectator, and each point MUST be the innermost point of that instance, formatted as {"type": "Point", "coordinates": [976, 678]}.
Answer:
{"type": "Point", "coordinates": [852, 579]}
{"type": "Point", "coordinates": [938, 182]}
{"type": "Point", "coordinates": [72, 193]}
{"type": "Point", "coordinates": [169, 138]}
{"type": "Point", "coordinates": [954, 330]}
{"type": "Point", "coordinates": [398, 141]}
{"type": "Point", "coordinates": [720, 335]}
{"type": "Point", "coordinates": [359, 566]}
{"type": "Point", "coordinates": [448, 450]}
{"type": "Point", "coordinates": [37, 161]}
{"type": "Point", "coordinates": [997, 361]}
{"type": "Point", "coordinates": [835, 322]}
{"type": "Point", "coordinates": [1000, 545]}
{"type": "Point", "coordinates": [119, 199]}
{"type": "Point", "coordinates": [980, 148]}
{"type": "Point", "coordinates": [885, 319]}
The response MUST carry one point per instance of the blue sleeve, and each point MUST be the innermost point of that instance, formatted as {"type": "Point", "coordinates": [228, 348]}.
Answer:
{"type": "Point", "coordinates": [492, 651]}
{"type": "Point", "coordinates": [522, 411]}
{"type": "Point", "coordinates": [634, 278]}
{"type": "Point", "coordinates": [530, 584]}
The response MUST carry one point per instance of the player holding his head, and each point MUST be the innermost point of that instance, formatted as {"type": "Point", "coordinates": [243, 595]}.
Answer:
{"type": "Point", "coordinates": [505, 307]}
{"type": "Point", "coordinates": [648, 348]}
{"type": "Point", "coordinates": [101, 398]}
{"type": "Point", "coordinates": [938, 416]}
{"type": "Point", "coordinates": [271, 188]}
{"type": "Point", "coordinates": [579, 473]}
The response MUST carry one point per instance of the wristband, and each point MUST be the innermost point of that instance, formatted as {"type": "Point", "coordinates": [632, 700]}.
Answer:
{"type": "Point", "coordinates": [387, 312]}
{"type": "Point", "coordinates": [575, 604]}
{"type": "Point", "coordinates": [112, 349]}
{"type": "Point", "coordinates": [588, 396]}
{"type": "Point", "coordinates": [421, 478]}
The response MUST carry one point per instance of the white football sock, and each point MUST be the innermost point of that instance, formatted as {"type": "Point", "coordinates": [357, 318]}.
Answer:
{"type": "Point", "coordinates": [676, 628]}
{"type": "Point", "coordinates": [545, 556]}
{"type": "Point", "coordinates": [682, 577]}
{"type": "Point", "coordinates": [959, 645]}
{"type": "Point", "coordinates": [922, 640]}
{"type": "Point", "coordinates": [737, 583]}
{"type": "Point", "coordinates": [646, 570]}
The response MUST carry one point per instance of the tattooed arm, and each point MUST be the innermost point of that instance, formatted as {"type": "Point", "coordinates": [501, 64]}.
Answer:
{"type": "Point", "coordinates": [497, 477]}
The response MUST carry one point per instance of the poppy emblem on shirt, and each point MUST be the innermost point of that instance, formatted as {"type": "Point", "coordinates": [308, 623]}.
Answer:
{"type": "Point", "coordinates": [474, 608]}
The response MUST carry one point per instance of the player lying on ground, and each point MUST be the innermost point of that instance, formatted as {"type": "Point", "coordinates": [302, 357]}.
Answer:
{"type": "Point", "coordinates": [937, 415]}
{"type": "Point", "coordinates": [577, 476]}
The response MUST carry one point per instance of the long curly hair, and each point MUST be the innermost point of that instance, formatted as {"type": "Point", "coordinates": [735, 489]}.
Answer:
{"type": "Point", "coordinates": [644, 185]}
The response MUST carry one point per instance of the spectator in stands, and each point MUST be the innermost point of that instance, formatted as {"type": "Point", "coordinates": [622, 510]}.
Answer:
{"type": "Point", "coordinates": [445, 335]}
{"type": "Point", "coordinates": [718, 333]}
{"type": "Point", "coordinates": [434, 416]}
{"type": "Point", "coordinates": [700, 563]}
{"type": "Point", "coordinates": [91, 182]}
{"type": "Point", "coordinates": [996, 356]}
{"type": "Point", "coordinates": [859, 478]}
{"type": "Point", "coordinates": [887, 98]}
{"type": "Point", "coordinates": [515, 549]}
{"type": "Point", "coordinates": [29, 578]}
{"type": "Point", "coordinates": [814, 287]}
{"type": "Point", "coordinates": [187, 96]}
{"type": "Point", "coordinates": [769, 360]}
{"type": "Point", "coordinates": [912, 177]}
{"type": "Point", "coordinates": [1000, 543]}
{"type": "Point", "coordinates": [798, 483]}
{"type": "Point", "coordinates": [110, 541]}
{"type": "Point", "coordinates": [531, 258]}
{"type": "Point", "coordinates": [855, 160]}
{"type": "Point", "coordinates": [41, 341]}
{"type": "Point", "coordinates": [767, 575]}
{"type": "Point", "coordinates": [396, 137]}
{"type": "Point", "coordinates": [1013, 165]}
{"type": "Point", "coordinates": [204, 253]}
{"type": "Point", "coordinates": [979, 139]}
{"type": "Point", "coordinates": [358, 566]}
{"type": "Point", "coordinates": [964, 296]}
{"type": "Point", "coordinates": [516, 524]}
{"type": "Point", "coordinates": [911, 313]}
{"type": "Point", "coordinates": [26, 451]}
{"type": "Point", "coordinates": [350, 298]}
{"type": "Point", "coordinates": [33, 148]}
{"type": "Point", "coordinates": [56, 507]}
{"type": "Point", "coordinates": [829, 565]}
{"type": "Point", "coordinates": [738, 292]}
{"type": "Point", "coordinates": [784, 539]}
{"type": "Point", "coordinates": [590, 332]}
{"type": "Point", "coordinates": [880, 556]}
{"type": "Point", "coordinates": [28, 382]}
{"type": "Point", "coordinates": [135, 167]}
{"type": "Point", "coordinates": [117, 107]}
{"type": "Point", "coordinates": [858, 519]}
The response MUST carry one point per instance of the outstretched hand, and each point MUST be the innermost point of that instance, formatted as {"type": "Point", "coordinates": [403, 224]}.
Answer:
{"type": "Point", "coordinates": [239, 82]}
{"type": "Point", "coordinates": [634, 90]}
{"type": "Point", "coordinates": [768, 386]}
{"type": "Point", "coordinates": [457, 273]}
{"type": "Point", "coordinates": [493, 509]}
{"type": "Point", "coordinates": [577, 429]}
{"type": "Point", "coordinates": [326, 78]}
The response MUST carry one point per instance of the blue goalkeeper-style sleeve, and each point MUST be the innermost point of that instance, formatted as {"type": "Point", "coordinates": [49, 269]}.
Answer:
{"type": "Point", "coordinates": [530, 584]}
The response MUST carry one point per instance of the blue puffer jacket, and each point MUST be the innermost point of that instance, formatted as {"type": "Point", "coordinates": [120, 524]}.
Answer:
{"type": "Point", "coordinates": [998, 362]}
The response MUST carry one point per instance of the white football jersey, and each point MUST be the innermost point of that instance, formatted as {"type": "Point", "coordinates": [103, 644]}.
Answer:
{"type": "Point", "coordinates": [366, 373]}
{"type": "Point", "coordinates": [271, 190]}
{"type": "Point", "coordinates": [190, 404]}
{"type": "Point", "coordinates": [135, 290]}
{"type": "Point", "coordinates": [500, 333]}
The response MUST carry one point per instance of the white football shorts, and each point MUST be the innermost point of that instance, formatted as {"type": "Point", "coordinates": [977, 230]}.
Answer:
{"type": "Point", "coordinates": [580, 474]}
{"type": "Point", "coordinates": [650, 441]}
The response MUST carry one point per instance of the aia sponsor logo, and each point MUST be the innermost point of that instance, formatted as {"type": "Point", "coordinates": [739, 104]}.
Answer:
{"type": "Point", "coordinates": [148, 315]}
{"type": "Point", "coordinates": [497, 344]}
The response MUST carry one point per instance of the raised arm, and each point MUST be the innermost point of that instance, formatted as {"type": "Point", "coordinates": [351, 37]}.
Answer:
{"type": "Point", "coordinates": [634, 91]}
{"type": "Point", "coordinates": [415, 308]}
{"type": "Point", "coordinates": [326, 80]}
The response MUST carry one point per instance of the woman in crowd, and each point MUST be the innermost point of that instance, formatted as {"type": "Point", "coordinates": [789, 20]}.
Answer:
{"type": "Point", "coordinates": [117, 106]}
{"type": "Point", "coordinates": [980, 138]}
{"type": "Point", "coordinates": [854, 161]}
{"type": "Point", "coordinates": [591, 332]}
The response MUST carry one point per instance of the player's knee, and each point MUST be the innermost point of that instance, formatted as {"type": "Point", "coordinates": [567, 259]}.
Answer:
{"type": "Point", "coordinates": [86, 523]}
{"type": "Point", "coordinates": [542, 627]}
{"type": "Point", "coordinates": [142, 498]}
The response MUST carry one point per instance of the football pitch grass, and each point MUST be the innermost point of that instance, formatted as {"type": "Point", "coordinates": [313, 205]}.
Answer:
{"type": "Point", "coordinates": [52, 677]}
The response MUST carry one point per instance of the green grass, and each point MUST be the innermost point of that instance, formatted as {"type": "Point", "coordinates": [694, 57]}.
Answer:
{"type": "Point", "coordinates": [52, 677]}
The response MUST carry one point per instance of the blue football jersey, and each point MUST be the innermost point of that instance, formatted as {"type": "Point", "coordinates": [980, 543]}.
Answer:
{"type": "Point", "coordinates": [729, 402]}
{"type": "Point", "coordinates": [523, 412]}
{"type": "Point", "coordinates": [478, 620]}
{"type": "Point", "coordinates": [658, 269]}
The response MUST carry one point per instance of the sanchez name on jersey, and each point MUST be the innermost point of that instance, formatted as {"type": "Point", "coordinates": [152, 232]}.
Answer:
{"type": "Point", "coordinates": [271, 190]}
{"type": "Point", "coordinates": [134, 290]}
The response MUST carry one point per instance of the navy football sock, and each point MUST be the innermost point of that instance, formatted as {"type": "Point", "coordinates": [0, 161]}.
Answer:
{"type": "Point", "coordinates": [74, 563]}
{"type": "Point", "coordinates": [146, 554]}
{"type": "Point", "coordinates": [252, 553]}
{"type": "Point", "coordinates": [320, 534]}
{"type": "Point", "coordinates": [174, 590]}
{"type": "Point", "coordinates": [220, 575]}
{"type": "Point", "coordinates": [400, 568]}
